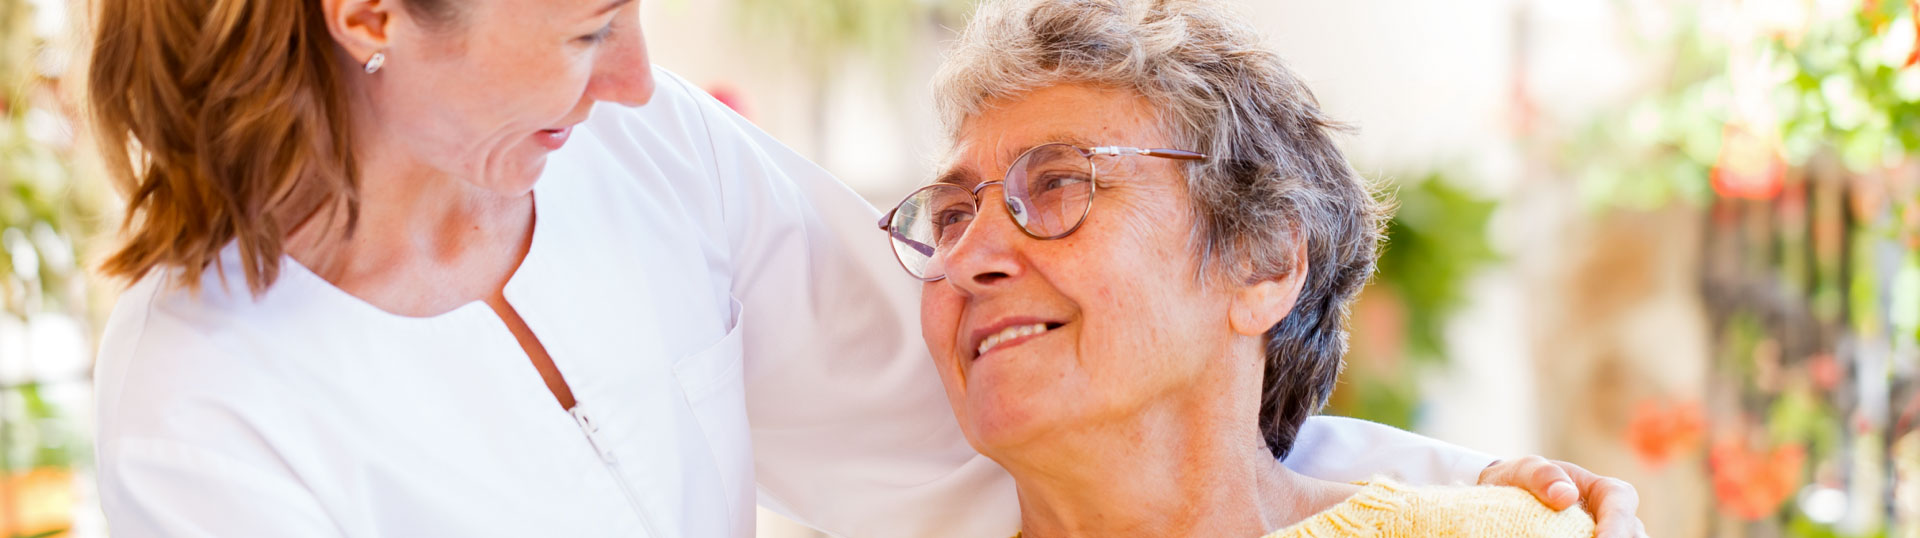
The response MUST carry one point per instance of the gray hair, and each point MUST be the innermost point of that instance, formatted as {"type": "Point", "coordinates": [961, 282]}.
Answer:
{"type": "Point", "coordinates": [1273, 177]}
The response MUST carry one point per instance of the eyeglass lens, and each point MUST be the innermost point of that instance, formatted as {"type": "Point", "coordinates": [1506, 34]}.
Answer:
{"type": "Point", "coordinates": [1047, 192]}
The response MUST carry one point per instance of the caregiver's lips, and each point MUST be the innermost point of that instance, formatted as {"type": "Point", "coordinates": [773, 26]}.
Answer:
{"type": "Point", "coordinates": [553, 138]}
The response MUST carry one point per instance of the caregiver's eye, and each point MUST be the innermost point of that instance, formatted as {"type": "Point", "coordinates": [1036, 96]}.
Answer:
{"type": "Point", "coordinates": [598, 36]}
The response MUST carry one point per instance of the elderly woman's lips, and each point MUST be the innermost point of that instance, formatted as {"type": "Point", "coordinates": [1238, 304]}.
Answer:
{"type": "Point", "coordinates": [1012, 335]}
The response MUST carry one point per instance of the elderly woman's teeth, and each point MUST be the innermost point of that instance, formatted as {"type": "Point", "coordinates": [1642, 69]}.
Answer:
{"type": "Point", "coordinates": [1010, 333]}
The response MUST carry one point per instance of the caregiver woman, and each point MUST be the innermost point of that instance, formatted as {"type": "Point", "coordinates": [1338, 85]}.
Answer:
{"type": "Point", "coordinates": [397, 275]}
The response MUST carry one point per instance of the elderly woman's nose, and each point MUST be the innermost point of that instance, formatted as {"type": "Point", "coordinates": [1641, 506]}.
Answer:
{"type": "Point", "coordinates": [985, 254]}
{"type": "Point", "coordinates": [622, 73]}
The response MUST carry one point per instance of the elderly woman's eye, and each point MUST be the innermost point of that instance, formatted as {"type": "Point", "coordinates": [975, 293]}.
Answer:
{"type": "Point", "coordinates": [952, 216]}
{"type": "Point", "coordinates": [1060, 180]}
{"type": "Point", "coordinates": [948, 224]}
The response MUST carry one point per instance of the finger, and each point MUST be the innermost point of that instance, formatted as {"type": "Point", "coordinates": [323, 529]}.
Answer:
{"type": "Point", "coordinates": [1614, 504]}
{"type": "Point", "coordinates": [1510, 472]}
{"type": "Point", "coordinates": [1491, 474]}
{"type": "Point", "coordinates": [1551, 484]}
{"type": "Point", "coordinates": [1535, 474]}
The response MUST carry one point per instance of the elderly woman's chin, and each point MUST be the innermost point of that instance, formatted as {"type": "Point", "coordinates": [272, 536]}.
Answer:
{"type": "Point", "coordinates": [1019, 411]}
{"type": "Point", "coordinates": [1001, 423]}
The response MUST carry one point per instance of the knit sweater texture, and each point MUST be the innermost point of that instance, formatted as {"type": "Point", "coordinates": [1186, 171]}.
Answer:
{"type": "Point", "coordinates": [1387, 509]}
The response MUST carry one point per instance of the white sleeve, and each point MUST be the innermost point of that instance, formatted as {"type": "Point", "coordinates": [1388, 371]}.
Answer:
{"type": "Point", "coordinates": [851, 429]}
{"type": "Point", "coordinates": [154, 487]}
{"type": "Point", "coordinates": [192, 470]}
{"type": "Point", "coordinates": [1348, 450]}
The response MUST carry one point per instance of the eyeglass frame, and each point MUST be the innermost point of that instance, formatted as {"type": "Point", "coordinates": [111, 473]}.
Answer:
{"type": "Point", "coordinates": [1093, 186]}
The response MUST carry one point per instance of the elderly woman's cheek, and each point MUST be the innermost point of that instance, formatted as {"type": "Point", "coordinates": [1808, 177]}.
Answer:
{"type": "Point", "coordinates": [939, 318]}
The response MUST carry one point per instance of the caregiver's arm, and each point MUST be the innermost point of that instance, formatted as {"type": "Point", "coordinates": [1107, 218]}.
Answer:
{"type": "Point", "coordinates": [1346, 450]}
{"type": "Point", "coordinates": [160, 487]}
{"type": "Point", "coordinates": [182, 447]}
{"type": "Point", "coordinates": [851, 429]}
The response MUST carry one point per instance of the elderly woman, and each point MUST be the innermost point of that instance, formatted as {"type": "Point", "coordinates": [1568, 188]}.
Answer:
{"type": "Point", "coordinates": [430, 268]}
{"type": "Point", "coordinates": [1137, 268]}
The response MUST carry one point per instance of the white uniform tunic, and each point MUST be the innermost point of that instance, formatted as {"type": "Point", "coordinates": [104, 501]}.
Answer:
{"type": "Point", "coordinates": [724, 311]}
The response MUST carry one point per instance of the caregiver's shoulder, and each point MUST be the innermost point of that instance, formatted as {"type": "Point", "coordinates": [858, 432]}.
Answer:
{"type": "Point", "coordinates": [168, 353]}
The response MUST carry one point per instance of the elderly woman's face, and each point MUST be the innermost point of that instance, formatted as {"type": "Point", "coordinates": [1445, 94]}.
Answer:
{"type": "Point", "coordinates": [1091, 328]}
{"type": "Point", "coordinates": [487, 97]}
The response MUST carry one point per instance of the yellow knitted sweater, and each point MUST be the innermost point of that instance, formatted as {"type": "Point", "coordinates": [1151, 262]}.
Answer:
{"type": "Point", "coordinates": [1387, 509]}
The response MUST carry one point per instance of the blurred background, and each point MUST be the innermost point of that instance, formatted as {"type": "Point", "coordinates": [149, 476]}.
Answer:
{"type": "Point", "coordinates": [1675, 241]}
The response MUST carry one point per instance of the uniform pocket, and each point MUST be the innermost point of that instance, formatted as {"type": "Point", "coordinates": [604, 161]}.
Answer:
{"type": "Point", "coordinates": [714, 385]}
{"type": "Point", "coordinates": [716, 367]}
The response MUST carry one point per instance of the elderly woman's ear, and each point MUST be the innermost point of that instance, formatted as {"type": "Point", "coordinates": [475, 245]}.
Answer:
{"type": "Point", "coordinates": [1264, 303]}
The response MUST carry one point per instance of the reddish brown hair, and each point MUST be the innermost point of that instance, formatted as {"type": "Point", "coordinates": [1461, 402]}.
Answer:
{"type": "Point", "coordinates": [222, 121]}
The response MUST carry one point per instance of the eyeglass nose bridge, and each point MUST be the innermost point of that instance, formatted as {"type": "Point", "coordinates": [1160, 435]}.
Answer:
{"type": "Point", "coordinates": [1016, 207]}
{"type": "Point", "coordinates": [983, 186]}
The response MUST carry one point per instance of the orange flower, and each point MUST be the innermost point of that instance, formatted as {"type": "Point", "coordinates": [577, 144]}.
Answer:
{"type": "Point", "coordinates": [1750, 166]}
{"type": "Point", "coordinates": [1825, 371]}
{"type": "Point", "coordinates": [1752, 484]}
{"type": "Point", "coordinates": [44, 502]}
{"type": "Point", "coordinates": [1914, 57]}
{"type": "Point", "coordinates": [1658, 432]}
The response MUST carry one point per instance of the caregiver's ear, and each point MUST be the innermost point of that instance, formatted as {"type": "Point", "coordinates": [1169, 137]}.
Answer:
{"type": "Point", "coordinates": [359, 26]}
{"type": "Point", "coordinates": [1264, 303]}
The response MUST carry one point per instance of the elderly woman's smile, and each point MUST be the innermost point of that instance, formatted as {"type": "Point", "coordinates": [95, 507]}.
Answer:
{"type": "Point", "coordinates": [1033, 335]}
{"type": "Point", "coordinates": [1009, 333]}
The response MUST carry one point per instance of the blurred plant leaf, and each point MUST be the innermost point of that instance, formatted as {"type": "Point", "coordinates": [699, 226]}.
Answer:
{"type": "Point", "coordinates": [1435, 242]}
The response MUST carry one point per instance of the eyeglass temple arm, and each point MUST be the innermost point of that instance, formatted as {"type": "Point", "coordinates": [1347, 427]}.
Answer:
{"type": "Point", "coordinates": [923, 248]}
{"type": "Point", "coordinates": [1150, 152]}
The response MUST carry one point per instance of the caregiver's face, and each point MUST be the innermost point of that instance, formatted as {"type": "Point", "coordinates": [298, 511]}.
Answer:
{"type": "Point", "coordinates": [1084, 330]}
{"type": "Point", "coordinates": [488, 96]}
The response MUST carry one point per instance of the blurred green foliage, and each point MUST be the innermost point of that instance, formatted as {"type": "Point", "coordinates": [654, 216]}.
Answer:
{"type": "Point", "coordinates": [40, 219]}
{"type": "Point", "coordinates": [1436, 241]}
{"type": "Point", "coordinates": [1829, 84]}
{"type": "Point", "coordinates": [1799, 135]}
{"type": "Point", "coordinates": [39, 215]}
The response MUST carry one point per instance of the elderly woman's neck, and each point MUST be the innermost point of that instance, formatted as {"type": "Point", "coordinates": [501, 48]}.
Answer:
{"type": "Point", "coordinates": [1164, 475]}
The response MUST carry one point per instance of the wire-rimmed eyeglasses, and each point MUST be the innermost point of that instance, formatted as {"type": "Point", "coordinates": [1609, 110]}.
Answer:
{"type": "Point", "coordinates": [1048, 192]}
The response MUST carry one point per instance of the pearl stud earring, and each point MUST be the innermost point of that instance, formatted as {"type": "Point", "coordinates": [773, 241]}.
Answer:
{"type": "Point", "coordinates": [373, 64]}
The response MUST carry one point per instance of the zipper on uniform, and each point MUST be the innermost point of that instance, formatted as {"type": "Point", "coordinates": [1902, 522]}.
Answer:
{"type": "Point", "coordinates": [605, 451]}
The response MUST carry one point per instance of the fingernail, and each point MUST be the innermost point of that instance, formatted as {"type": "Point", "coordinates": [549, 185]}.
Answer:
{"type": "Point", "coordinates": [1562, 490]}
